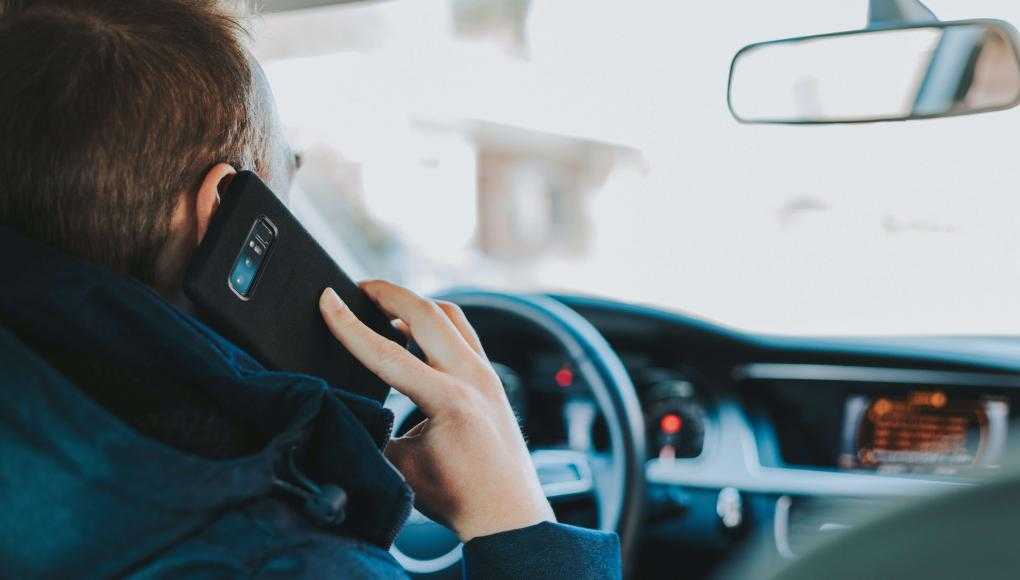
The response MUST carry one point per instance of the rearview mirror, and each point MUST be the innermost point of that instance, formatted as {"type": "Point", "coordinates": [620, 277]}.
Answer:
{"type": "Point", "coordinates": [892, 74]}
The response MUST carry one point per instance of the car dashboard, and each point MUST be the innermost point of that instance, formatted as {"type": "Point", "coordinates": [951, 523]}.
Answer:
{"type": "Point", "coordinates": [787, 439]}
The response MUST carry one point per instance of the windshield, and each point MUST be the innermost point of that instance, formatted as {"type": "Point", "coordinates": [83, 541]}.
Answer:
{"type": "Point", "coordinates": [577, 146]}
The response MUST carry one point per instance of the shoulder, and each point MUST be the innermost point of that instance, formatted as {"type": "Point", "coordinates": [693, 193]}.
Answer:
{"type": "Point", "coordinates": [267, 539]}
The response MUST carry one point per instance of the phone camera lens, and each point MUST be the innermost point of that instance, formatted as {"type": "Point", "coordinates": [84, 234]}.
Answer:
{"type": "Point", "coordinates": [263, 234]}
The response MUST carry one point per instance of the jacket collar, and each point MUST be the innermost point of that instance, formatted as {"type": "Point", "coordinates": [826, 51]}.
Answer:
{"type": "Point", "coordinates": [74, 329]}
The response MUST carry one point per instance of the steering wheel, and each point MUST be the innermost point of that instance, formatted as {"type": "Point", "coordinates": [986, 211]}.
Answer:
{"type": "Point", "coordinates": [614, 482]}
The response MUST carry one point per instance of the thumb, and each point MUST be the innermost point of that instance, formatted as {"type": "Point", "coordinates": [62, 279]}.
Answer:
{"type": "Point", "coordinates": [404, 453]}
{"type": "Point", "coordinates": [401, 452]}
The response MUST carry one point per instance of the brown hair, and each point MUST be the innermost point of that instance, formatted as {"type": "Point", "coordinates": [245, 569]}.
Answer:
{"type": "Point", "coordinates": [109, 110]}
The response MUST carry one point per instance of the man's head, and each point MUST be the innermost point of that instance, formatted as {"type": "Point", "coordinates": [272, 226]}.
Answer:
{"type": "Point", "coordinates": [119, 122]}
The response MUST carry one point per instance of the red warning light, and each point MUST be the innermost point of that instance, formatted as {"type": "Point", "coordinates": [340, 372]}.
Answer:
{"type": "Point", "coordinates": [564, 377]}
{"type": "Point", "coordinates": [671, 423]}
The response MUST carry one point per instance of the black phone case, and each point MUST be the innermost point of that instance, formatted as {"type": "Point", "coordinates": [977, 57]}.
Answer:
{"type": "Point", "coordinates": [279, 322]}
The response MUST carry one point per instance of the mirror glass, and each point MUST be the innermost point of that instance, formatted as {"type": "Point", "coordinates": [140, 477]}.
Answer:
{"type": "Point", "coordinates": [877, 75]}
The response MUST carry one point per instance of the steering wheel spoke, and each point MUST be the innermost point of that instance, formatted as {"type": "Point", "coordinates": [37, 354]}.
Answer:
{"type": "Point", "coordinates": [564, 473]}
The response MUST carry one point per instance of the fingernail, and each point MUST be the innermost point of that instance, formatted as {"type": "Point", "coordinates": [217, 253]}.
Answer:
{"type": "Point", "coordinates": [330, 300]}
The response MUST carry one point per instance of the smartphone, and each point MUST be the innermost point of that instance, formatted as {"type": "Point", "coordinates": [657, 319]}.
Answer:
{"type": "Point", "coordinates": [257, 277]}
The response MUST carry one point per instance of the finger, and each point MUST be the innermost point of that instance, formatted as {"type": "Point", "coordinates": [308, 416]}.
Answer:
{"type": "Point", "coordinates": [398, 453]}
{"type": "Point", "coordinates": [404, 453]}
{"type": "Point", "coordinates": [401, 326]}
{"type": "Point", "coordinates": [430, 327]}
{"type": "Point", "coordinates": [463, 325]}
{"type": "Point", "coordinates": [388, 360]}
{"type": "Point", "coordinates": [417, 429]}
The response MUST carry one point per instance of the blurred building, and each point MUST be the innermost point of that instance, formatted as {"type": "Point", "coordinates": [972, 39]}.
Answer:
{"type": "Point", "coordinates": [436, 132]}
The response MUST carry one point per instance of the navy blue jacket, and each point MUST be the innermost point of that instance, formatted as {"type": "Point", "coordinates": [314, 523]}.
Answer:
{"type": "Point", "coordinates": [136, 441]}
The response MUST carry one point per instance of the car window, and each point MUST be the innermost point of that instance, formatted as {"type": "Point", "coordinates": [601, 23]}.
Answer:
{"type": "Point", "coordinates": [587, 147]}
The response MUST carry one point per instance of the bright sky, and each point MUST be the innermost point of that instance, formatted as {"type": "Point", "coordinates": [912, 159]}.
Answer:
{"type": "Point", "coordinates": [911, 228]}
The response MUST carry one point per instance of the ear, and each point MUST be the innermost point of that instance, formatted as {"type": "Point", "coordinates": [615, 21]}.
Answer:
{"type": "Point", "coordinates": [207, 199]}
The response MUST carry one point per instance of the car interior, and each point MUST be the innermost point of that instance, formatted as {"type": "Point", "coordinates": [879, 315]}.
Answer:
{"type": "Point", "coordinates": [800, 383]}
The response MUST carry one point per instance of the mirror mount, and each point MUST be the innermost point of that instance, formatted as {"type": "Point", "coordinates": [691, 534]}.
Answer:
{"type": "Point", "coordinates": [889, 13]}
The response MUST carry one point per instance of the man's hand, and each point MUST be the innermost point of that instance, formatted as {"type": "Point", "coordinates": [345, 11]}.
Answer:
{"type": "Point", "coordinates": [467, 462]}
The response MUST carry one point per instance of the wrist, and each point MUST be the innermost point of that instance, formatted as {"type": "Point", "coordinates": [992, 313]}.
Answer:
{"type": "Point", "coordinates": [512, 517]}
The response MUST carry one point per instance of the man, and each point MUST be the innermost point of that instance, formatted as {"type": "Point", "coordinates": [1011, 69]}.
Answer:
{"type": "Point", "coordinates": [136, 441]}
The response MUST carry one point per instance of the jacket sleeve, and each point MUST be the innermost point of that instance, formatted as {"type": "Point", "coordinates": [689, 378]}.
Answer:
{"type": "Point", "coordinates": [544, 551]}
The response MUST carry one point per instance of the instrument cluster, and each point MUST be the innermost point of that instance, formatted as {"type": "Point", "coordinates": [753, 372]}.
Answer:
{"type": "Point", "coordinates": [675, 418]}
{"type": "Point", "coordinates": [555, 406]}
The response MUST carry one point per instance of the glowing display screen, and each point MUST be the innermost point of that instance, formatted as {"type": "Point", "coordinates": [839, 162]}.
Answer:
{"type": "Point", "coordinates": [924, 431]}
